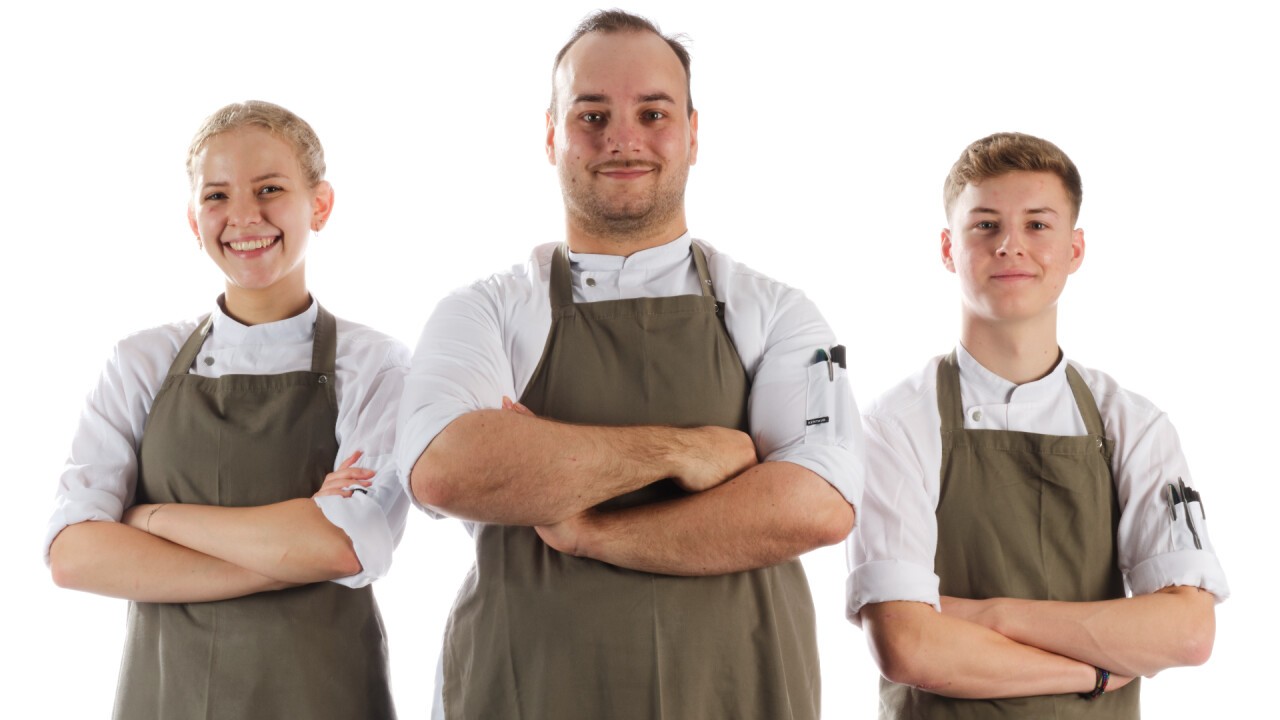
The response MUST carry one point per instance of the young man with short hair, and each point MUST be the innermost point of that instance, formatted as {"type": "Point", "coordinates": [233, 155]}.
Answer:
{"type": "Point", "coordinates": [1012, 495]}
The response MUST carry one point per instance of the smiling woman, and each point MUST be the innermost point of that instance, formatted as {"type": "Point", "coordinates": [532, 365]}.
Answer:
{"type": "Point", "coordinates": [225, 525]}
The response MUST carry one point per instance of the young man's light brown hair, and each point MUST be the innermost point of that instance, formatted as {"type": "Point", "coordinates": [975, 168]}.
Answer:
{"type": "Point", "coordinates": [276, 120]}
{"type": "Point", "coordinates": [1007, 152]}
{"type": "Point", "coordinates": [619, 21]}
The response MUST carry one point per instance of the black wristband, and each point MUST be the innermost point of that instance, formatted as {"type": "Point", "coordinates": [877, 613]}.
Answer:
{"type": "Point", "coordinates": [1099, 684]}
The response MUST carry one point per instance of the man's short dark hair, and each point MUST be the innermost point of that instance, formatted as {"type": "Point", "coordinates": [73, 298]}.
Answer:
{"type": "Point", "coordinates": [620, 21]}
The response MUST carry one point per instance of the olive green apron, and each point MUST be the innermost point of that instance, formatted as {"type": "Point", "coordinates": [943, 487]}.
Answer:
{"type": "Point", "coordinates": [1022, 515]}
{"type": "Point", "coordinates": [537, 634]}
{"type": "Point", "coordinates": [315, 651]}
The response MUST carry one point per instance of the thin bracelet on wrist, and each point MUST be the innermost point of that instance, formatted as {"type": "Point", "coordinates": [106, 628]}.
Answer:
{"type": "Point", "coordinates": [1099, 684]}
{"type": "Point", "coordinates": [152, 514]}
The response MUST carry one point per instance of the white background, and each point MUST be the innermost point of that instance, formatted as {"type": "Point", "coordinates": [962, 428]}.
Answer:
{"type": "Point", "coordinates": [826, 131]}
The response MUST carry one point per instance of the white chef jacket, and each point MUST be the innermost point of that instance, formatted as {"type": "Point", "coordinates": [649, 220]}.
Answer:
{"type": "Point", "coordinates": [891, 552]}
{"type": "Point", "coordinates": [99, 479]}
{"type": "Point", "coordinates": [484, 341]}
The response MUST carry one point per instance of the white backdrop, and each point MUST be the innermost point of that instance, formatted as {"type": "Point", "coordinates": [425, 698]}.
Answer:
{"type": "Point", "coordinates": [826, 130]}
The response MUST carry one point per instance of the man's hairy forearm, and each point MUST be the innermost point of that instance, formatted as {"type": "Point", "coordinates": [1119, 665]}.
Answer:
{"type": "Point", "coordinates": [1140, 635]}
{"type": "Point", "coordinates": [769, 514]}
{"type": "Point", "coordinates": [116, 560]}
{"type": "Point", "coordinates": [500, 466]}
{"type": "Point", "coordinates": [915, 645]}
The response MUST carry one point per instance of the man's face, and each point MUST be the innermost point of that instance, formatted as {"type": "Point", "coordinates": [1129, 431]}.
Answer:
{"type": "Point", "coordinates": [622, 137]}
{"type": "Point", "coordinates": [1012, 243]}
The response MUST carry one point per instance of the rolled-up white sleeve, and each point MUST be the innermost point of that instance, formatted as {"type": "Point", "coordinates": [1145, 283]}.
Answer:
{"type": "Point", "coordinates": [891, 551]}
{"type": "Point", "coordinates": [99, 477]}
{"type": "Point", "coordinates": [370, 384]}
{"type": "Point", "coordinates": [460, 365]}
{"type": "Point", "coordinates": [1157, 547]}
{"type": "Point", "coordinates": [800, 412]}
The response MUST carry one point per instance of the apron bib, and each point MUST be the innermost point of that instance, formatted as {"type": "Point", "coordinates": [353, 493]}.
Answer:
{"type": "Point", "coordinates": [537, 634]}
{"type": "Point", "coordinates": [315, 651]}
{"type": "Point", "coordinates": [1029, 516]}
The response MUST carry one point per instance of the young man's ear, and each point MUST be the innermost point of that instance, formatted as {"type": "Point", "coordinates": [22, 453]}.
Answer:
{"type": "Point", "coordinates": [947, 260]}
{"type": "Point", "coordinates": [1077, 249]}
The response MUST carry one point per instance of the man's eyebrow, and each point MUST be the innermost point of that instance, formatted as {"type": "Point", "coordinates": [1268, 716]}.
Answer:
{"type": "Point", "coordinates": [978, 210]}
{"type": "Point", "coordinates": [1042, 211]}
{"type": "Point", "coordinates": [655, 97]}
{"type": "Point", "coordinates": [602, 98]}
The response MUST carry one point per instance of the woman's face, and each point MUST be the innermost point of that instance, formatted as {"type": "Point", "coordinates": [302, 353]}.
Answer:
{"type": "Point", "coordinates": [252, 211]}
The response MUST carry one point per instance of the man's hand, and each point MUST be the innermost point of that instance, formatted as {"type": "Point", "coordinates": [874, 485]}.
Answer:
{"type": "Point", "coordinates": [707, 456]}
{"type": "Point", "coordinates": [569, 535]}
{"type": "Point", "coordinates": [712, 455]}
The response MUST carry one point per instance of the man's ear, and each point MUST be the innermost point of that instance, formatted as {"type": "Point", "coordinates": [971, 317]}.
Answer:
{"type": "Point", "coordinates": [1077, 249]}
{"type": "Point", "coordinates": [947, 261]}
{"type": "Point", "coordinates": [693, 137]}
{"type": "Point", "coordinates": [551, 139]}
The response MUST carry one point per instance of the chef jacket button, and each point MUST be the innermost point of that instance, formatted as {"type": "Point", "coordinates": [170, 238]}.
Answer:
{"type": "Point", "coordinates": [208, 360]}
{"type": "Point", "coordinates": [977, 415]}
{"type": "Point", "coordinates": [591, 282]}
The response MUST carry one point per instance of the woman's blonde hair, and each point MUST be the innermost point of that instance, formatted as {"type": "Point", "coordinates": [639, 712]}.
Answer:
{"type": "Point", "coordinates": [272, 118]}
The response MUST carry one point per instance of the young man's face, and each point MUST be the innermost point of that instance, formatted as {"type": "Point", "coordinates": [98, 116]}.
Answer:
{"type": "Point", "coordinates": [1013, 244]}
{"type": "Point", "coordinates": [622, 137]}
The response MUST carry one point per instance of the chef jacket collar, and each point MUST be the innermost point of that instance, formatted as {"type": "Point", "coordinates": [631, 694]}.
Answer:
{"type": "Point", "coordinates": [230, 331]}
{"type": "Point", "coordinates": [983, 387]}
{"type": "Point", "coordinates": [654, 258]}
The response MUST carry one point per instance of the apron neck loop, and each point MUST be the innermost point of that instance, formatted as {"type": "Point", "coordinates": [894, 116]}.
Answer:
{"type": "Point", "coordinates": [1085, 402]}
{"type": "Point", "coordinates": [561, 280]}
{"type": "Point", "coordinates": [324, 342]}
{"type": "Point", "coordinates": [704, 275]}
{"type": "Point", "coordinates": [187, 355]}
{"type": "Point", "coordinates": [950, 406]}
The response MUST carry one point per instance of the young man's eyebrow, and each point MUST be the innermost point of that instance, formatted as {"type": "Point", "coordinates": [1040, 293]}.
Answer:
{"type": "Point", "coordinates": [590, 98]}
{"type": "Point", "coordinates": [1041, 211]}
{"type": "Point", "coordinates": [989, 211]}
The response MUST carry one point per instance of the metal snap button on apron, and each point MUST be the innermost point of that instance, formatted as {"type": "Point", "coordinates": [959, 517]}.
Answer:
{"type": "Point", "coordinates": [324, 379]}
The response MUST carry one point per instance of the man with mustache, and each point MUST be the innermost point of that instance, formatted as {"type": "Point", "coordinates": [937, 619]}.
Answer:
{"type": "Point", "coordinates": [638, 511]}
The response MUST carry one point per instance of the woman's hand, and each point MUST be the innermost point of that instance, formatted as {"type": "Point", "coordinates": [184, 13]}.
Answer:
{"type": "Point", "coordinates": [339, 481]}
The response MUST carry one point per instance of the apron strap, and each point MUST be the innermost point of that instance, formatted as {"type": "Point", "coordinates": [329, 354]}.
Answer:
{"type": "Point", "coordinates": [704, 275]}
{"type": "Point", "coordinates": [187, 355]}
{"type": "Point", "coordinates": [561, 280]}
{"type": "Point", "coordinates": [324, 342]}
{"type": "Point", "coordinates": [950, 406]}
{"type": "Point", "coordinates": [1085, 402]}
